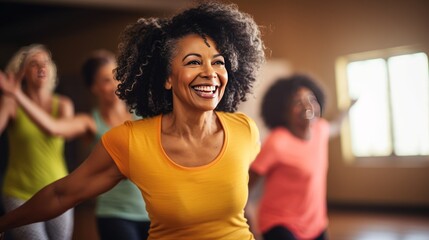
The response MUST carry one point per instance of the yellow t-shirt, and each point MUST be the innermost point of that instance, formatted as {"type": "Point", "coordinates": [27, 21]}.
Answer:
{"type": "Point", "coordinates": [190, 203]}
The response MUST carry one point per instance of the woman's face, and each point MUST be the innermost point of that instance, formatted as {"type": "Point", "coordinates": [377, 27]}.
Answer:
{"type": "Point", "coordinates": [105, 85]}
{"type": "Point", "coordinates": [198, 75]}
{"type": "Point", "coordinates": [37, 72]}
{"type": "Point", "coordinates": [304, 108]}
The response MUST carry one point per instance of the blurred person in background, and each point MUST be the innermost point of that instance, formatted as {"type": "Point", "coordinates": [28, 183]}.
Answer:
{"type": "Point", "coordinates": [293, 161]}
{"type": "Point", "coordinates": [120, 212]}
{"type": "Point", "coordinates": [37, 122]}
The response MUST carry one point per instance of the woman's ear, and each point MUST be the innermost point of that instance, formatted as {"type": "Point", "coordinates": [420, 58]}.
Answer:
{"type": "Point", "coordinates": [167, 84]}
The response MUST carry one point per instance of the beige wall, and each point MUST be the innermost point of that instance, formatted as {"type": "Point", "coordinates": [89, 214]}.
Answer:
{"type": "Point", "coordinates": [309, 36]}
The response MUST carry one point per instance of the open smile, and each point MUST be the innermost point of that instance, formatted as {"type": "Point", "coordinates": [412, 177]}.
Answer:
{"type": "Point", "coordinates": [308, 114]}
{"type": "Point", "coordinates": [206, 91]}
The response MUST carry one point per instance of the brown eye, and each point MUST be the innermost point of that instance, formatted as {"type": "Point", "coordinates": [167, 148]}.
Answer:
{"type": "Point", "coordinates": [219, 63]}
{"type": "Point", "coordinates": [193, 62]}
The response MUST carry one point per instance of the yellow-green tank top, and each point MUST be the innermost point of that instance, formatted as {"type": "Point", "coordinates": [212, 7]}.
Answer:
{"type": "Point", "coordinates": [35, 158]}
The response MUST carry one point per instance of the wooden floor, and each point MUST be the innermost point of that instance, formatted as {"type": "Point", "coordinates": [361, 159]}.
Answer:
{"type": "Point", "coordinates": [344, 224]}
{"type": "Point", "coordinates": [378, 225]}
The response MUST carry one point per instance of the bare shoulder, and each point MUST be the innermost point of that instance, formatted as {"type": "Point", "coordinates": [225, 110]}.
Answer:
{"type": "Point", "coordinates": [66, 106]}
{"type": "Point", "coordinates": [64, 100]}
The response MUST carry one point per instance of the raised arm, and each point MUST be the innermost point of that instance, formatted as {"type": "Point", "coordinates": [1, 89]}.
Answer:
{"type": "Point", "coordinates": [335, 124]}
{"type": "Point", "coordinates": [7, 105]}
{"type": "Point", "coordinates": [67, 125]}
{"type": "Point", "coordinates": [97, 174]}
{"type": "Point", "coordinates": [7, 110]}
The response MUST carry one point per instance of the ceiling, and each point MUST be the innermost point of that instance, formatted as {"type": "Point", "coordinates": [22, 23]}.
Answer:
{"type": "Point", "coordinates": [122, 4]}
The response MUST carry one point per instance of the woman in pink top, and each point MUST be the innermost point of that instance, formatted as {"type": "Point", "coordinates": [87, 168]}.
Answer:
{"type": "Point", "coordinates": [294, 161]}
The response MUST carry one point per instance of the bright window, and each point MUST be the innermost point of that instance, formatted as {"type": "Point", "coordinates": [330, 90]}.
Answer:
{"type": "Point", "coordinates": [391, 116]}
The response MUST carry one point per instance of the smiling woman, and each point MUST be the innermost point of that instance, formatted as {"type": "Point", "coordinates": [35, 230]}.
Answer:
{"type": "Point", "coordinates": [198, 74]}
{"type": "Point", "coordinates": [191, 153]}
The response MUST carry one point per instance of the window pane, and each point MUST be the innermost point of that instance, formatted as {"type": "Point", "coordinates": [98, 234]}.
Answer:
{"type": "Point", "coordinates": [410, 108]}
{"type": "Point", "coordinates": [369, 118]}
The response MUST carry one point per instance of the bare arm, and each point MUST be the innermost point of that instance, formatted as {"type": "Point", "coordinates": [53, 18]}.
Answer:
{"type": "Point", "coordinates": [254, 178]}
{"type": "Point", "coordinates": [255, 189]}
{"type": "Point", "coordinates": [7, 104]}
{"type": "Point", "coordinates": [67, 125]}
{"type": "Point", "coordinates": [97, 174]}
{"type": "Point", "coordinates": [7, 110]}
{"type": "Point", "coordinates": [335, 125]}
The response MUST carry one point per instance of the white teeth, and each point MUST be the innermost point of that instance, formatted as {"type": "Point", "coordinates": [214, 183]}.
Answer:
{"type": "Point", "coordinates": [205, 88]}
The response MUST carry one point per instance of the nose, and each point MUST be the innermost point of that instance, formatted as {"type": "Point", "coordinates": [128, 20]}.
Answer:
{"type": "Point", "coordinates": [42, 66]}
{"type": "Point", "coordinates": [307, 104]}
{"type": "Point", "coordinates": [208, 72]}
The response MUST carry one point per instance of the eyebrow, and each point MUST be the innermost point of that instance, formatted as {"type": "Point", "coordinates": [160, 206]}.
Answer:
{"type": "Point", "coordinates": [199, 55]}
{"type": "Point", "coordinates": [37, 61]}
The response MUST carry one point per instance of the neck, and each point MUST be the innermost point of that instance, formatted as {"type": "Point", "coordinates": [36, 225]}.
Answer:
{"type": "Point", "coordinates": [38, 96]}
{"type": "Point", "coordinates": [114, 114]}
{"type": "Point", "coordinates": [187, 125]}
{"type": "Point", "coordinates": [112, 108]}
{"type": "Point", "coordinates": [301, 132]}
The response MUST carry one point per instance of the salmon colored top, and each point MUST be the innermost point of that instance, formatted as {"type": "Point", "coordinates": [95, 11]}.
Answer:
{"type": "Point", "coordinates": [295, 173]}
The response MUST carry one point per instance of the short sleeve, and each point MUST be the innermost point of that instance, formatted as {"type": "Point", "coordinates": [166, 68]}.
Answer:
{"type": "Point", "coordinates": [116, 143]}
{"type": "Point", "coordinates": [266, 157]}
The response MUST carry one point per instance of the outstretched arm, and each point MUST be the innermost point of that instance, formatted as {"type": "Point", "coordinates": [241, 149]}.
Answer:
{"type": "Point", "coordinates": [97, 174]}
{"type": "Point", "coordinates": [335, 125]}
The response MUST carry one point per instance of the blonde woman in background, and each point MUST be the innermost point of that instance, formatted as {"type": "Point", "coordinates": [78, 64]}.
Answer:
{"type": "Point", "coordinates": [37, 122]}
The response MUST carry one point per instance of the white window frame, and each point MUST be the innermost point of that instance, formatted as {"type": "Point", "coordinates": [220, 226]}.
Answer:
{"type": "Point", "coordinates": [343, 100]}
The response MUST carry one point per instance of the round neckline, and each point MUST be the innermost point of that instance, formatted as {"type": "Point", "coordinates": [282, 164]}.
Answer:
{"type": "Point", "coordinates": [211, 163]}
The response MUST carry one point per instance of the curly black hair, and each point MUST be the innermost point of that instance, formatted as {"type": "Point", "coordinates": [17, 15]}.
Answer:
{"type": "Point", "coordinates": [277, 100]}
{"type": "Point", "coordinates": [147, 48]}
